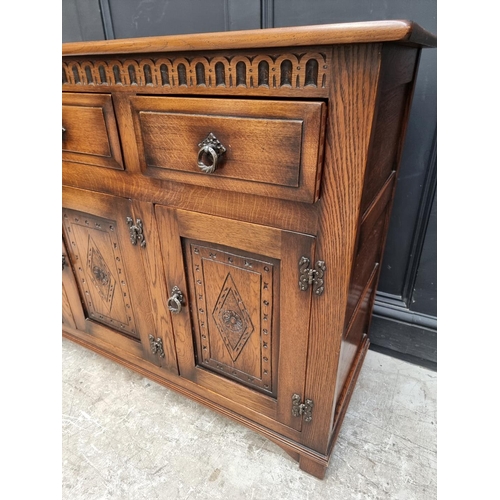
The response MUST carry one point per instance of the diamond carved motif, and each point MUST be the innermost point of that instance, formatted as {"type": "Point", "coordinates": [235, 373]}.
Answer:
{"type": "Point", "coordinates": [100, 274]}
{"type": "Point", "coordinates": [232, 319]}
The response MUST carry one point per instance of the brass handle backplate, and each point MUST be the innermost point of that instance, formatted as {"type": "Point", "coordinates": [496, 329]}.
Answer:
{"type": "Point", "coordinates": [212, 150]}
{"type": "Point", "coordinates": [175, 301]}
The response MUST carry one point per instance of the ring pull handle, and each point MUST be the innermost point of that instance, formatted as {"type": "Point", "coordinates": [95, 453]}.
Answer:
{"type": "Point", "coordinates": [175, 301]}
{"type": "Point", "coordinates": [212, 150]}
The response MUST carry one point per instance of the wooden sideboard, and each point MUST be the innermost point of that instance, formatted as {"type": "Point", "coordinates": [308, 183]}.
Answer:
{"type": "Point", "coordinates": [225, 206]}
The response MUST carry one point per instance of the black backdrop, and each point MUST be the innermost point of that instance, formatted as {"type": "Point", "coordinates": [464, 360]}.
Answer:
{"type": "Point", "coordinates": [405, 321]}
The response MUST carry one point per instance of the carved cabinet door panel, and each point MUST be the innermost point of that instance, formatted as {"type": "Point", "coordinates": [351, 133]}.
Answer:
{"type": "Point", "coordinates": [106, 246]}
{"type": "Point", "coordinates": [72, 311]}
{"type": "Point", "coordinates": [240, 320]}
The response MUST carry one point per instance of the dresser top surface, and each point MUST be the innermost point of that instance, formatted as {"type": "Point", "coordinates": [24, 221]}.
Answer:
{"type": "Point", "coordinates": [405, 32]}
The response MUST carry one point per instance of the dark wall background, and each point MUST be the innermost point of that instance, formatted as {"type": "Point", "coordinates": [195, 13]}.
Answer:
{"type": "Point", "coordinates": [405, 315]}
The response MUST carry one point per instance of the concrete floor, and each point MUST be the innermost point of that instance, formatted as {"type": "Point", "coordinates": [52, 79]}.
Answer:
{"type": "Point", "coordinates": [127, 438]}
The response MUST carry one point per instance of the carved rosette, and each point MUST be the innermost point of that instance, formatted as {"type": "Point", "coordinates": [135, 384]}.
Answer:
{"type": "Point", "coordinates": [232, 318]}
{"type": "Point", "coordinates": [100, 273]}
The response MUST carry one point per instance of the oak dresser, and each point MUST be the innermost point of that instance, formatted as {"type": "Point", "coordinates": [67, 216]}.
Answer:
{"type": "Point", "coordinates": [225, 206]}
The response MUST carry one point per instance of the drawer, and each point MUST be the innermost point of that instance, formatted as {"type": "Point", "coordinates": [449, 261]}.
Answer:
{"type": "Point", "coordinates": [272, 148]}
{"type": "Point", "coordinates": [90, 134]}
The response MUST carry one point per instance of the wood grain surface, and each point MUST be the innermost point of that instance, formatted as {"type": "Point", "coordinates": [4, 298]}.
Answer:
{"type": "Point", "coordinates": [329, 34]}
{"type": "Point", "coordinates": [272, 147]}
{"type": "Point", "coordinates": [90, 135]}
{"type": "Point", "coordinates": [355, 74]}
{"type": "Point", "coordinates": [313, 120]}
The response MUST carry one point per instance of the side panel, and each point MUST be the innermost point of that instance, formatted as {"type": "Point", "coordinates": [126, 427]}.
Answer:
{"type": "Point", "coordinates": [393, 104]}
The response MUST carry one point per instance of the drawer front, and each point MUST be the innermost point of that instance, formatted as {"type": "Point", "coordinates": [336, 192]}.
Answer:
{"type": "Point", "coordinates": [272, 148]}
{"type": "Point", "coordinates": [90, 134]}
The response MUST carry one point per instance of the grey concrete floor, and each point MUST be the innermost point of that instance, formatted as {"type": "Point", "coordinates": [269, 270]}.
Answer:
{"type": "Point", "coordinates": [127, 438]}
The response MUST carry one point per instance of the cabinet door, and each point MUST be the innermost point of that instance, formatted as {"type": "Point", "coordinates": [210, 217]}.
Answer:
{"type": "Point", "coordinates": [72, 311]}
{"type": "Point", "coordinates": [242, 328]}
{"type": "Point", "coordinates": [111, 278]}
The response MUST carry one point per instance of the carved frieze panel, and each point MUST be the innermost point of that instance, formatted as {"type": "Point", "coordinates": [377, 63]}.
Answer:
{"type": "Point", "coordinates": [304, 70]}
{"type": "Point", "coordinates": [232, 307]}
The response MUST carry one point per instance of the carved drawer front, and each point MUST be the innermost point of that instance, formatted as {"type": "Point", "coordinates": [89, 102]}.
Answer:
{"type": "Point", "coordinates": [89, 131]}
{"type": "Point", "coordinates": [243, 322]}
{"type": "Point", "coordinates": [110, 276]}
{"type": "Point", "coordinates": [269, 148]}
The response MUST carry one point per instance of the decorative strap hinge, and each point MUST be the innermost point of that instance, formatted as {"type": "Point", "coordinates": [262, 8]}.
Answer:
{"type": "Point", "coordinates": [156, 346]}
{"type": "Point", "coordinates": [309, 276]}
{"type": "Point", "coordinates": [304, 408]}
{"type": "Point", "coordinates": [136, 233]}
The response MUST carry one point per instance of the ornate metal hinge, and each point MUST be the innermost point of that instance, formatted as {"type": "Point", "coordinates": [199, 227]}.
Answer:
{"type": "Point", "coordinates": [136, 234]}
{"type": "Point", "coordinates": [304, 408]}
{"type": "Point", "coordinates": [156, 346]}
{"type": "Point", "coordinates": [309, 276]}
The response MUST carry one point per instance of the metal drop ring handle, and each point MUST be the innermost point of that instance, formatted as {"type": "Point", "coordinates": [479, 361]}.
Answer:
{"type": "Point", "coordinates": [209, 151]}
{"type": "Point", "coordinates": [175, 301]}
{"type": "Point", "coordinates": [212, 148]}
